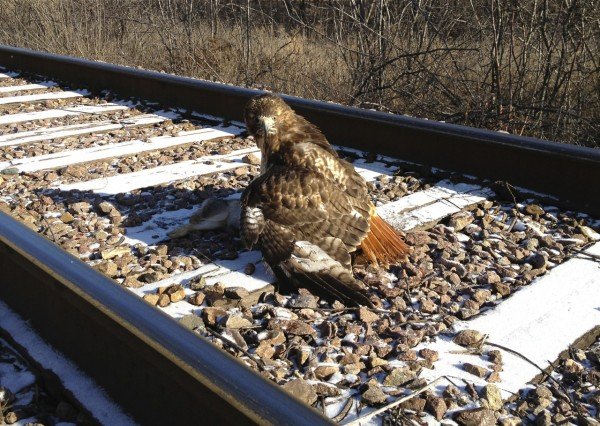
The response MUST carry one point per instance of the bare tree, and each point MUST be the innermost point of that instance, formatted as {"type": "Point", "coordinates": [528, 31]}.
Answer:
{"type": "Point", "coordinates": [530, 67]}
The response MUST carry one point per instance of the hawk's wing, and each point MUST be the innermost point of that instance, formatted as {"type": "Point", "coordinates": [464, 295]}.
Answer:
{"type": "Point", "coordinates": [310, 206]}
{"type": "Point", "coordinates": [314, 157]}
{"type": "Point", "coordinates": [306, 227]}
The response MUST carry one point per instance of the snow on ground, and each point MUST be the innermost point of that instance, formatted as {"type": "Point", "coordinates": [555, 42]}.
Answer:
{"type": "Point", "coordinates": [20, 138]}
{"type": "Point", "coordinates": [21, 87]}
{"type": "Point", "coordinates": [43, 97]}
{"type": "Point", "coordinates": [160, 175]}
{"type": "Point", "coordinates": [92, 397]}
{"type": "Point", "coordinates": [118, 149]}
{"type": "Point", "coordinates": [539, 322]}
{"type": "Point", "coordinates": [8, 74]}
{"type": "Point", "coordinates": [61, 112]}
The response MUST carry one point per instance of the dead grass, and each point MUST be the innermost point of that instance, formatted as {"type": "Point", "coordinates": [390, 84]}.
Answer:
{"type": "Point", "coordinates": [530, 68]}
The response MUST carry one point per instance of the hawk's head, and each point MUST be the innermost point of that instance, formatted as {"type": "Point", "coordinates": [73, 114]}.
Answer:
{"type": "Point", "coordinates": [261, 115]}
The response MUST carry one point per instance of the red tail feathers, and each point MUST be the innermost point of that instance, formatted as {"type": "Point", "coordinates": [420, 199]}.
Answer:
{"type": "Point", "coordinates": [383, 244]}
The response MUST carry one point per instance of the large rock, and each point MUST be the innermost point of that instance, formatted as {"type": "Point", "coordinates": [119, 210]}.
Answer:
{"type": "Point", "coordinates": [301, 390]}
{"type": "Point", "coordinates": [476, 370]}
{"type": "Point", "coordinates": [468, 338]}
{"type": "Point", "coordinates": [367, 316]}
{"type": "Point", "coordinates": [107, 268]}
{"type": "Point", "coordinates": [212, 315]}
{"type": "Point", "coordinates": [297, 328]}
{"type": "Point", "coordinates": [509, 421]}
{"type": "Point", "coordinates": [416, 404]}
{"type": "Point", "coordinates": [303, 301]}
{"type": "Point", "coordinates": [436, 406]}
{"type": "Point", "coordinates": [460, 220]}
{"type": "Point", "coordinates": [324, 372]}
{"type": "Point", "coordinates": [237, 321]}
{"type": "Point", "coordinates": [399, 376]}
{"type": "Point", "coordinates": [475, 417]}
{"type": "Point", "coordinates": [492, 397]}
{"type": "Point", "coordinates": [373, 395]}
{"type": "Point", "coordinates": [191, 321]}
{"type": "Point", "coordinates": [251, 159]}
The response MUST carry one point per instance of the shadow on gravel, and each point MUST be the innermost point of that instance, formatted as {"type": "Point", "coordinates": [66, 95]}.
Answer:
{"type": "Point", "coordinates": [146, 216]}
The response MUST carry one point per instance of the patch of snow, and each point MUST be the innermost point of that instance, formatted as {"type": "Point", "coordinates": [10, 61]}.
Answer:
{"type": "Point", "coordinates": [566, 304]}
{"type": "Point", "coordinates": [91, 396]}
{"type": "Point", "coordinates": [65, 158]}
{"type": "Point", "coordinates": [20, 138]}
{"type": "Point", "coordinates": [42, 97]}
{"type": "Point", "coordinates": [43, 85]}
{"type": "Point", "coordinates": [127, 182]}
{"type": "Point", "coordinates": [62, 112]}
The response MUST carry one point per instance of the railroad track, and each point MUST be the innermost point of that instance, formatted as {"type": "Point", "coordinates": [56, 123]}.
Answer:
{"type": "Point", "coordinates": [105, 161]}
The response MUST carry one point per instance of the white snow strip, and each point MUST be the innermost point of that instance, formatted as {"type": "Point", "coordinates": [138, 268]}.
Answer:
{"type": "Point", "coordinates": [168, 114]}
{"type": "Point", "coordinates": [92, 396]}
{"type": "Point", "coordinates": [8, 75]}
{"type": "Point", "coordinates": [127, 182]}
{"type": "Point", "coordinates": [65, 158]}
{"type": "Point", "coordinates": [41, 97]}
{"type": "Point", "coordinates": [77, 129]}
{"type": "Point", "coordinates": [538, 321]}
{"type": "Point", "coordinates": [10, 89]}
{"type": "Point", "coordinates": [58, 113]}
{"type": "Point", "coordinates": [370, 171]}
{"type": "Point", "coordinates": [433, 213]}
{"type": "Point", "coordinates": [227, 272]}
{"type": "Point", "coordinates": [16, 376]}
{"type": "Point", "coordinates": [412, 201]}
{"type": "Point", "coordinates": [431, 205]}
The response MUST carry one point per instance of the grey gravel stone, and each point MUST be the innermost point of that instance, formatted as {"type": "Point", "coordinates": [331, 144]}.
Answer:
{"type": "Point", "coordinates": [475, 417]}
{"type": "Point", "coordinates": [301, 390]}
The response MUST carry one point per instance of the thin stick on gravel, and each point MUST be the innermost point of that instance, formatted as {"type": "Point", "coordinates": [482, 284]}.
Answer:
{"type": "Point", "coordinates": [585, 254]}
{"type": "Point", "coordinates": [50, 229]}
{"type": "Point", "coordinates": [372, 414]}
{"type": "Point", "coordinates": [259, 362]}
{"type": "Point", "coordinates": [344, 412]}
{"type": "Point", "coordinates": [523, 357]}
{"type": "Point", "coordinates": [351, 309]}
{"type": "Point", "coordinates": [510, 188]}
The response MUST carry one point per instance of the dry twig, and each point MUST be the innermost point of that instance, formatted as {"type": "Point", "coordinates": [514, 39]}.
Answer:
{"type": "Point", "coordinates": [259, 362]}
{"type": "Point", "coordinates": [397, 402]}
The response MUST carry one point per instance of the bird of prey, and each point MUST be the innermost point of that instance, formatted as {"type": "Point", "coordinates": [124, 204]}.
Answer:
{"type": "Point", "coordinates": [309, 210]}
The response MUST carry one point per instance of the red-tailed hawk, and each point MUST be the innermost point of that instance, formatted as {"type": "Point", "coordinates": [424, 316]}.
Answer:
{"type": "Point", "coordinates": [309, 210]}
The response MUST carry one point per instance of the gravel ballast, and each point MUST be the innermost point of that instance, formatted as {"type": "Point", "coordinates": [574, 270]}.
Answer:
{"type": "Point", "coordinates": [325, 353]}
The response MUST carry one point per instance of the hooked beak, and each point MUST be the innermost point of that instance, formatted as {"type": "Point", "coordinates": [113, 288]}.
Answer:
{"type": "Point", "coordinates": [268, 125]}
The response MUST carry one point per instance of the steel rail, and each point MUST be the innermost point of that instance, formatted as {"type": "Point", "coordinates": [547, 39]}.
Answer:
{"type": "Point", "coordinates": [567, 172]}
{"type": "Point", "coordinates": [158, 371]}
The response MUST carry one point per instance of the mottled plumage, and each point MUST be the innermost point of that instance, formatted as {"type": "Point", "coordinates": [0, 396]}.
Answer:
{"type": "Point", "coordinates": [309, 209]}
